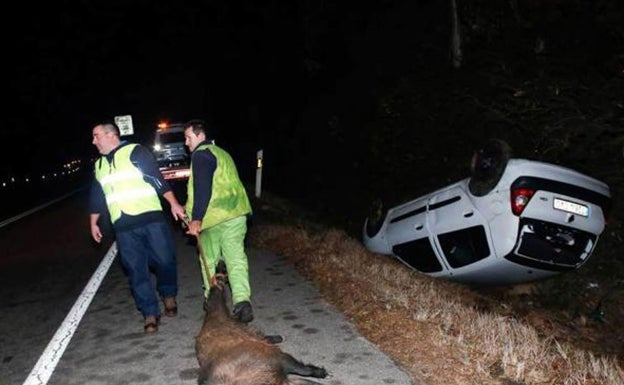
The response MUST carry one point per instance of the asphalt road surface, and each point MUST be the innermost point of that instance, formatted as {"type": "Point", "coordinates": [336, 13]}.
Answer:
{"type": "Point", "coordinates": [47, 258]}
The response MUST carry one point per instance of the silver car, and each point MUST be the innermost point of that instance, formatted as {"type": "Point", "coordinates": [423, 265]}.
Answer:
{"type": "Point", "coordinates": [511, 221]}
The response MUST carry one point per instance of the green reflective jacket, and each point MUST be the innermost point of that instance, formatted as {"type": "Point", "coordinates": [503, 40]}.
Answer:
{"type": "Point", "coordinates": [229, 198]}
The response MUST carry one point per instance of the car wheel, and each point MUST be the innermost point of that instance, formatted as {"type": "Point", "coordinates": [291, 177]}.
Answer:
{"type": "Point", "coordinates": [375, 218]}
{"type": "Point", "coordinates": [487, 166]}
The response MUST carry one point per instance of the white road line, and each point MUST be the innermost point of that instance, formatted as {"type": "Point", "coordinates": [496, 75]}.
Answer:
{"type": "Point", "coordinates": [52, 354]}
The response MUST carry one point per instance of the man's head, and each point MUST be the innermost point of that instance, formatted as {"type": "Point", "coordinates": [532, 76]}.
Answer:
{"type": "Point", "coordinates": [195, 132]}
{"type": "Point", "coordinates": [106, 137]}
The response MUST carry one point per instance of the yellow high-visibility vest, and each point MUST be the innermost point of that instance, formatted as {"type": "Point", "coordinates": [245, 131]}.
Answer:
{"type": "Point", "coordinates": [123, 185]}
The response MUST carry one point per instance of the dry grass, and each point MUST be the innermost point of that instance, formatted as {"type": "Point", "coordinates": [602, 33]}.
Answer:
{"type": "Point", "coordinates": [438, 331]}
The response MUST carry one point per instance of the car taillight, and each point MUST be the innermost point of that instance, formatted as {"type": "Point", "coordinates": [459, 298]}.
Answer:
{"type": "Point", "coordinates": [520, 199]}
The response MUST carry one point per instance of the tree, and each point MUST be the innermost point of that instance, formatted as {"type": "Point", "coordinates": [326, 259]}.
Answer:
{"type": "Point", "coordinates": [456, 38]}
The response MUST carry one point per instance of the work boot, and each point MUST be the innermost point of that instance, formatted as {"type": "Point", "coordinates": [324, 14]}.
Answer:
{"type": "Point", "coordinates": [171, 306]}
{"type": "Point", "coordinates": [242, 312]}
{"type": "Point", "coordinates": [151, 324]}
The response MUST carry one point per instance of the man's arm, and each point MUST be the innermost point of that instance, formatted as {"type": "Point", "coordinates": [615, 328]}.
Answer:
{"type": "Point", "coordinates": [204, 165]}
{"type": "Point", "coordinates": [97, 205]}
{"type": "Point", "coordinates": [97, 201]}
{"type": "Point", "coordinates": [143, 159]}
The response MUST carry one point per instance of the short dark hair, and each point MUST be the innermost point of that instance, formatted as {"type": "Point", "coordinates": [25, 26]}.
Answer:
{"type": "Point", "coordinates": [109, 126]}
{"type": "Point", "coordinates": [198, 126]}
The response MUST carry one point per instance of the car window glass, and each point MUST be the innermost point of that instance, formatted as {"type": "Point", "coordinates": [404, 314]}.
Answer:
{"type": "Point", "coordinates": [465, 246]}
{"type": "Point", "coordinates": [419, 255]}
{"type": "Point", "coordinates": [172, 137]}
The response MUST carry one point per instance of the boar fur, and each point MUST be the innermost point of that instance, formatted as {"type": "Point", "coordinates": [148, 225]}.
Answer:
{"type": "Point", "coordinates": [233, 353]}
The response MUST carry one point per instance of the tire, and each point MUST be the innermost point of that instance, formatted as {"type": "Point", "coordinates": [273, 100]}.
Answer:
{"type": "Point", "coordinates": [375, 218]}
{"type": "Point", "coordinates": [487, 166]}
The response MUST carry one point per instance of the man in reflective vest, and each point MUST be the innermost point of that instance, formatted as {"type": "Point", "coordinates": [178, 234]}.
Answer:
{"type": "Point", "coordinates": [127, 188]}
{"type": "Point", "coordinates": [217, 206]}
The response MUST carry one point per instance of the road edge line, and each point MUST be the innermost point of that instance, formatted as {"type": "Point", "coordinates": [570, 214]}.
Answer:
{"type": "Point", "coordinates": [50, 357]}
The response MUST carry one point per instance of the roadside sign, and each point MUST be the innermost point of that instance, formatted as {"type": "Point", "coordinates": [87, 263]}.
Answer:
{"type": "Point", "coordinates": [124, 122]}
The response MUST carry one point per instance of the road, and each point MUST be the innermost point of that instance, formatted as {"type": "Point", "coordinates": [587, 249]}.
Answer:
{"type": "Point", "coordinates": [46, 260]}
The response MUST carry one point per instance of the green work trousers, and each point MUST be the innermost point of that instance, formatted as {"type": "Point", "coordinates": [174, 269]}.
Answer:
{"type": "Point", "coordinates": [227, 241]}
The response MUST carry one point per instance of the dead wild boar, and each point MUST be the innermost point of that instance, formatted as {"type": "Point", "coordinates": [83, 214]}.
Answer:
{"type": "Point", "coordinates": [232, 353]}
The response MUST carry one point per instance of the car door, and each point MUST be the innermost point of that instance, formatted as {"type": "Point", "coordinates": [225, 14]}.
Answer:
{"type": "Point", "coordinates": [409, 237]}
{"type": "Point", "coordinates": [458, 230]}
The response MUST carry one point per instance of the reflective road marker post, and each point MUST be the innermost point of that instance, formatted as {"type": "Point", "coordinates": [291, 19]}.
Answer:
{"type": "Point", "coordinates": [258, 173]}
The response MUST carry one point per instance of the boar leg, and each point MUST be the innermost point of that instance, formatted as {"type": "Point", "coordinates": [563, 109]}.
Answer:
{"type": "Point", "coordinates": [292, 366]}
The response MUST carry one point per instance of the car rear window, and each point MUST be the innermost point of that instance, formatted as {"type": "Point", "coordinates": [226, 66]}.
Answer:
{"type": "Point", "coordinates": [171, 137]}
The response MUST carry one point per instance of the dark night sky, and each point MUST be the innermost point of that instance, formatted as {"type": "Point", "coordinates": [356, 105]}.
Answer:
{"type": "Point", "coordinates": [254, 66]}
{"type": "Point", "coordinates": [78, 62]}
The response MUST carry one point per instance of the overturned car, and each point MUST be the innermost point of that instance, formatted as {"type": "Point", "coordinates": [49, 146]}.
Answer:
{"type": "Point", "coordinates": [512, 221]}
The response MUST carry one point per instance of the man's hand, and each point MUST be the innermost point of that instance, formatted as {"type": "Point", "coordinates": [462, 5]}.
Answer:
{"type": "Point", "coordinates": [194, 228]}
{"type": "Point", "coordinates": [95, 229]}
{"type": "Point", "coordinates": [96, 233]}
{"type": "Point", "coordinates": [177, 210]}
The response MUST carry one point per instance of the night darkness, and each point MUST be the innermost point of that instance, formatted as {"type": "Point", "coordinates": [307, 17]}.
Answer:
{"type": "Point", "coordinates": [79, 62]}
{"type": "Point", "coordinates": [342, 96]}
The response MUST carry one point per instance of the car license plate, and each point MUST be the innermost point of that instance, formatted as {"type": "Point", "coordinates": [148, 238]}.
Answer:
{"type": "Point", "coordinates": [571, 207]}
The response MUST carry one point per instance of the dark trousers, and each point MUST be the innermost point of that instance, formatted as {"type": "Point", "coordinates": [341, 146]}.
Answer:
{"type": "Point", "coordinates": [144, 250]}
